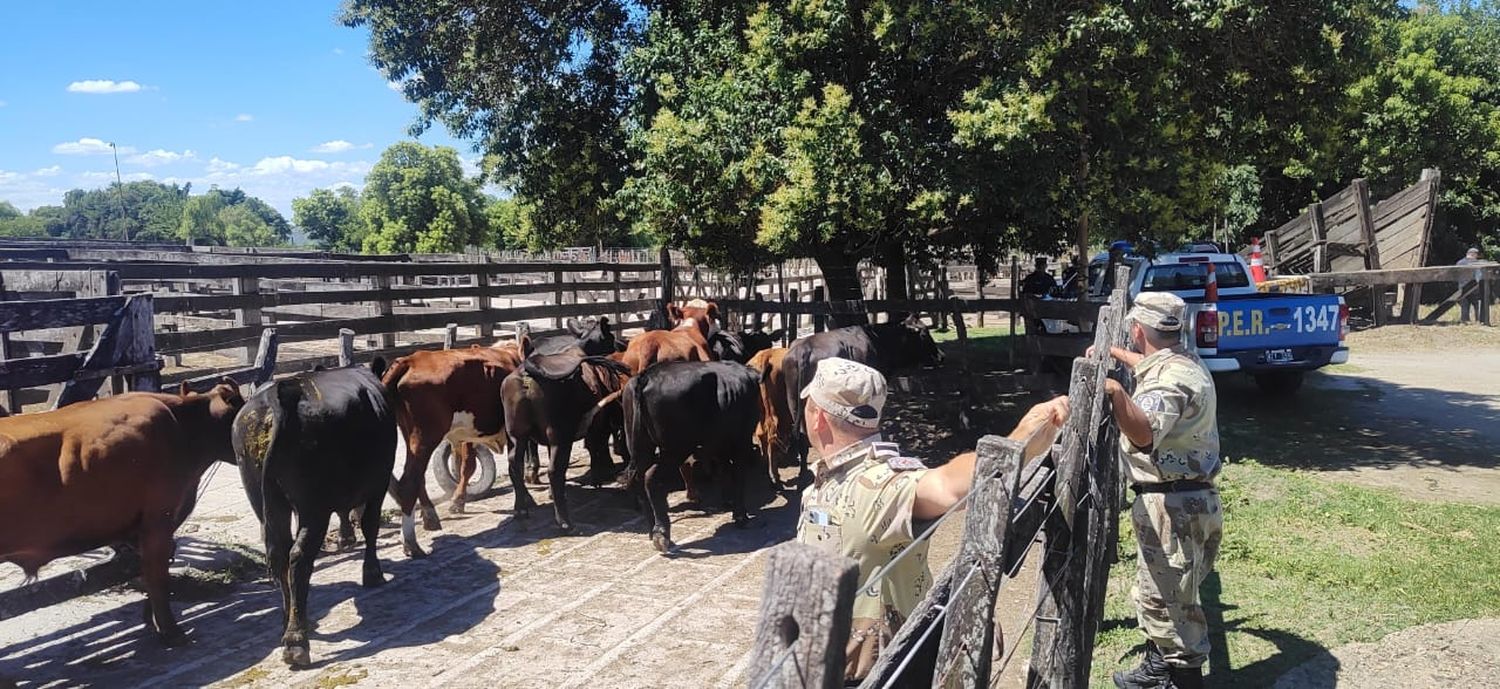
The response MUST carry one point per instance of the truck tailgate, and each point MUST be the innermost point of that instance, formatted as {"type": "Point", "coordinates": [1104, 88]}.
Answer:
{"type": "Point", "coordinates": [1278, 321]}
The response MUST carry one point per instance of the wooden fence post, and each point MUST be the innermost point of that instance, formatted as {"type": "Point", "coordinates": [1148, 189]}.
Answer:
{"type": "Point", "coordinates": [1321, 258]}
{"type": "Point", "coordinates": [127, 340]}
{"type": "Point", "coordinates": [966, 650]}
{"type": "Point", "coordinates": [1363, 213]}
{"type": "Point", "coordinates": [1015, 270]}
{"type": "Point", "coordinates": [450, 336]}
{"type": "Point", "coordinates": [557, 296]}
{"type": "Point", "coordinates": [265, 358]}
{"type": "Point", "coordinates": [247, 315]}
{"type": "Point", "coordinates": [819, 320]}
{"type": "Point", "coordinates": [615, 280]}
{"type": "Point", "coordinates": [346, 347]}
{"type": "Point", "coordinates": [383, 307]}
{"type": "Point", "coordinates": [1411, 300]}
{"type": "Point", "coordinates": [792, 320]}
{"type": "Point", "coordinates": [482, 300]}
{"type": "Point", "coordinates": [756, 318]}
{"type": "Point", "coordinates": [806, 610]}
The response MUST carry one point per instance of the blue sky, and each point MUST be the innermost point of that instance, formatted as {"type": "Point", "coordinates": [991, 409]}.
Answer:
{"type": "Point", "coordinates": [272, 96]}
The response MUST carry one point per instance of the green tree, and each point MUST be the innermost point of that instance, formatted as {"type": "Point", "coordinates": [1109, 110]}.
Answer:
{"type": "Point", "coordinates": [510, 224]}
{"type": "Point", "coordinates": [244, 227]}
{"type": "Point", "coordinates": [416, 198]}
{"type": "Point", "coordinates": [200, 222]}
{"type": "Point", "coordinates": [330, 217]}
{"type": "Point", "coordinates": [537, 84]}
{"type": "Point", "coordinates": [14, 223]}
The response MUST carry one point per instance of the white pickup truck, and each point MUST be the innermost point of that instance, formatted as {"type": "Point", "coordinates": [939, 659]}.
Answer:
{"type": "Point", "coordinates": [1276, 338]}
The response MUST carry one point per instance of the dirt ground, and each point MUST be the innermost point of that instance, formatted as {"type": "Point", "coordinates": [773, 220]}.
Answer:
{"type": "Point", "coordinates": [1416, 410]}
{"type": "Point", "coordinates": [1464, 653]}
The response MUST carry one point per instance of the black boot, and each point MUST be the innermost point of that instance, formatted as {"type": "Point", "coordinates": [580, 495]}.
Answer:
{"type": "Point", "coordinates": [1152, 673]}
{"type": "Point", "coordinates": [1185, 678]}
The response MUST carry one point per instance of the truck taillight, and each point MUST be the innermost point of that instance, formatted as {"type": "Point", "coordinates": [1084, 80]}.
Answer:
{"type": "Point", "coordinates": [1343, 321]}
{"type": "Point", "coordinates": [1208, 327]}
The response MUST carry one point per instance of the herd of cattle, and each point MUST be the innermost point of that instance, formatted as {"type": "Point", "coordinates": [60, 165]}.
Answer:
{"type": "Point", "coordinates": [323, 443]}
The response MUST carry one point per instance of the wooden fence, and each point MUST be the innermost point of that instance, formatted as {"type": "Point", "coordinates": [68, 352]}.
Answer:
{"type": "Point", "coordinates": [1065, 495]}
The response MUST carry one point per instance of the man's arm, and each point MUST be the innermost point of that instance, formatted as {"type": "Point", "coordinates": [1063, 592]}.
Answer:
{"type": "Point", "coordinates": [940, 489]}
{"type": "Point", "coordinates": [1133, 421]}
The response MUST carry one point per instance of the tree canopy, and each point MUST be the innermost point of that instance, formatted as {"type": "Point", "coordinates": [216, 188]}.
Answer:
{"type": "Point", "coordinates": [418, 199]}
{"type": "Point", "coordinates": [152, 211]}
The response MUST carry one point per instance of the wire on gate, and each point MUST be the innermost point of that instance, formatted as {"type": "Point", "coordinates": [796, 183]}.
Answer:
{"type": "Point", "coordinates": [788, 653]}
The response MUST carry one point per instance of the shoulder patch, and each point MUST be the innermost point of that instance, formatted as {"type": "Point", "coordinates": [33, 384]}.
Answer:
{"type": "Point", "coordinates": [897, 463]}
{"type": "Point", "coordinates": [1150, 401]}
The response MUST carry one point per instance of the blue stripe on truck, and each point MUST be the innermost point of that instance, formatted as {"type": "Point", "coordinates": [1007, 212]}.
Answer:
{"type": "Point", "coordinates": [1278, 322]}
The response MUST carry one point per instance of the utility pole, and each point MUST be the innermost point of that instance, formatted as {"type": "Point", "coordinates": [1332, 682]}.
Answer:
{"type": "Point", "coordinates": [120, 193]}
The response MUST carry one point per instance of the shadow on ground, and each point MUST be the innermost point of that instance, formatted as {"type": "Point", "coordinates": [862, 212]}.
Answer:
{"type": "Point", "coordinates": [1347, 421]}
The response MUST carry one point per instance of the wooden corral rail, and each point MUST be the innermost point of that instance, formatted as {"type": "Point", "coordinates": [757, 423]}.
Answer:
{"type": "Point", "coordinates": [1067, 494]}
{"type": "Point", "coordinates": [1470, 279]}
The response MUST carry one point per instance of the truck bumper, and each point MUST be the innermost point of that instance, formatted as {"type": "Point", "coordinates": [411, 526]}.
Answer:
{"type": "Point", "coordinates": [1254, 360]}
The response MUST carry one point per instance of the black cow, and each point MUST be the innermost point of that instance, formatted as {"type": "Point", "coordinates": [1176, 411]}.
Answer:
{"type": "Point", "coordinates": [681, 408]}
{"type": "Point", "coordinates": [886, 347]}
{"type": "Point", "coordinates": [556, 398]}
{"type": "Point", "coordinates": [727, 345]}
{"type": "Point", "coordinates": [315, 444]}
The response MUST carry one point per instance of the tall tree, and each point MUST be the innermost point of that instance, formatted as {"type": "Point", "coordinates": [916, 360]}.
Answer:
{"type": "Point", "coordinates": [330, 218]}
{"type": "Point", "coordinates": [200, 222]}
{"type": "Point", "coordinates": [416, 198]}
{"type": "Point", "coordinates": [535, 82]}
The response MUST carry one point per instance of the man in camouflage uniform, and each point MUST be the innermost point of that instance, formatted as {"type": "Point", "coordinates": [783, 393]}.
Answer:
{"type": "Point", "coordinates": [1170, 439]}
{"type": "Point", "coordinates": [866, 501]}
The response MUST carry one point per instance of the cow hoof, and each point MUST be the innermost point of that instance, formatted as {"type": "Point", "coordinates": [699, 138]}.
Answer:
{"type": "Point", "coordinates": [457, 507]}
{"type": "Point", "coordinates": [565, 526]}
{"type": "Point", "coordinates": [296, 656]}
{"type": "Point", "coordinates": [534, 480]}
{"type": "Point", "coordinates": [414, 552]}
{"type": "Point", "coordinates": [743, 522]}
{"type": "Point", "coordinates": [373, 579]}
{"type": "Point", "coordinates": [173, 638]}
{"type": "Point", "coordinates": [430, 522]}
{"type": "Point", "coordinates": [663, 544]}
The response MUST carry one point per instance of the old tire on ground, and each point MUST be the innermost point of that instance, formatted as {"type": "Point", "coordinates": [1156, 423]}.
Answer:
{"type": "Point", "coordinates": [1279, 383]}
{"type": "Point", "coordinates": [445, 470]}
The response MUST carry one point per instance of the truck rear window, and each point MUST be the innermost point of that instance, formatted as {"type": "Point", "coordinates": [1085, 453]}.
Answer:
{"type": "Point", "coordinates": [1180, 276]}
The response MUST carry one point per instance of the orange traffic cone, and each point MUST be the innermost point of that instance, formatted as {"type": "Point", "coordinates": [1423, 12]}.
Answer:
{"type": "Point", "coordinates": [1211, 287]}
{"type": "Point", "coordinates": [1257, 264]}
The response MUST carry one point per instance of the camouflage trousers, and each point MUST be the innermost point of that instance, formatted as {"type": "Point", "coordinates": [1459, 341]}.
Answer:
{"type": "Point", "coordinates": [1177, 537]}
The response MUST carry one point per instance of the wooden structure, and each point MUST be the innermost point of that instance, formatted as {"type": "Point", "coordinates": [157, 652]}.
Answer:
{"type": "Point", "coordinates": [1347, 233]}
{"type": "Point", "coordinates": [1067, 494]}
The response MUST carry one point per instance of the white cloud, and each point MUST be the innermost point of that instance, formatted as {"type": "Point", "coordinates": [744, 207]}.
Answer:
{"type": "Point", "coordinates": [244, 117]}
{"type": "Point", "coordinates": [105, 178]}
{"type": "Point", "coordinates": [88, 146]}
{"type": "Point", "coordinates": [217, 165]}
{"type": "Point", "coordinates": [51, 171]}
{"type": "Point", "coordinates": [338, 51]}
{"type": "Point", "coordinates": [3, 103]}
{"type": "Point", "coordinates": [27, 191]}
{"type": "Point", "coordinates": [158, 156]}
{"type": "Point", "coordinates": [103, 86]}
{"type": "Point", "coordinates": [337, 146]}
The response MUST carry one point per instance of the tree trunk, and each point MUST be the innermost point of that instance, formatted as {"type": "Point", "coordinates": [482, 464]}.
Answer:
{"type": "Point", "coordinates": [896, 287]}
{"type": "Point", "coordinates": [1082, 179]}
{"type": "Point", "coordinates": [841, 275]}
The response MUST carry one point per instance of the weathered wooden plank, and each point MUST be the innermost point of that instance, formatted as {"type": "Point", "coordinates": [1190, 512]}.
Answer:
{"type": "Point", "coordinates": [1405, 275]}
{"type": "Point", "coordinates": [126, 341]}
{"type": "Point", "coordinates": [36, 371]}
{"type": "Point", "coordinates": [310, 269]}
{"type": "Point", "coordinates": [292, 332]}
{"type": "Point", "coordinates": [968, 641]}
{"type": "Point", "coordinates": [57, 313]}
{"type": "Point", "coordinates": [805, 615]}
{"type": "Point", "coordinates": [50, 280]}
{"type": "Point", "coordinates": [1402, 202]}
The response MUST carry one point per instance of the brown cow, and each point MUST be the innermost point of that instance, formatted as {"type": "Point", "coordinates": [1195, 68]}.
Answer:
{"type": "Point", "coordinates": [110, 470]}
{"type": "Point", "coordinates": [774, 434]}
{"type": "Point", "coordinates": [445, 393]}
{"type": "Point", "coordinates": [686, 341]}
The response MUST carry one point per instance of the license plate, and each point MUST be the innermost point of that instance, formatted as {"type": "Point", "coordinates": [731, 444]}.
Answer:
{"type": "Point", "coordinates": [1279, 356]}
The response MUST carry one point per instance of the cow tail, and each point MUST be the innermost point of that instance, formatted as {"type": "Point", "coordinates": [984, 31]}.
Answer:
{"type": "Point", "coordinates": [633, 415]}
{"type": "Point", "coordinates": [393, 375]}
{"type": "Point", "coordinates": [285, 427]}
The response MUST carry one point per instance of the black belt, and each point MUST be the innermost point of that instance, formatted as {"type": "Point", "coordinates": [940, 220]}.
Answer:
{"type": "Point", "coordinates": [1171, 486]}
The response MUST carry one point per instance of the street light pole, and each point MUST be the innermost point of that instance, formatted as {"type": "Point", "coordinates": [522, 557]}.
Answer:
{"type": "Point", "coordinates": [120, 193]}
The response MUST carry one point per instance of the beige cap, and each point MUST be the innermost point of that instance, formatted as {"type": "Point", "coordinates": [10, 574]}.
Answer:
{"type": "Point", "coordinates": [1159, 310]}
{"type": "Point", "coordinates": [848, 390]}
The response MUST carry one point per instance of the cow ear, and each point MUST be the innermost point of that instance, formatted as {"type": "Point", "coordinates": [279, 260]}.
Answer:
{"type": "Point", "coordinates": [604, 327]}
{"type": "Point", "coordinates": [713, 310]}
{"type": "Point", "coordinates": [778, 334]}
{"type": "Point", "coordinates": [674, 313]}
{"type": "Point", "coordinates": [575, 326]}
{"type": "Point", "coordinates": [183, 389]}
{"type": "Point", "coordinates": [378, 366]}
{"type": "Point", "coordinates": [526, 346]}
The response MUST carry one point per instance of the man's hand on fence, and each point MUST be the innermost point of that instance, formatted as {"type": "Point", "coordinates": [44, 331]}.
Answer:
{"type": "Point", "coordinates": [1053, 412]}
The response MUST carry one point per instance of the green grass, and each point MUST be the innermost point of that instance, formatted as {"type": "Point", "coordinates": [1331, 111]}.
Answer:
{"type": "Point", "coordinates": [1309, 564]}
{"type": "Point", "coordinates": [986, 343]}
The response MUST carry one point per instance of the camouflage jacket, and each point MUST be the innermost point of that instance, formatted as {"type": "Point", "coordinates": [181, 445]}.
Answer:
{"type": "Point", "coordinates": [1177, 393]}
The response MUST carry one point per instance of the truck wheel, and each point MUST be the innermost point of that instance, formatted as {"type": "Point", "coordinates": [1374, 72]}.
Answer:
{"type": "Point", "coordinates": [1279, 383]}
{"type": "Point", "coordinates": [445, 470]}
